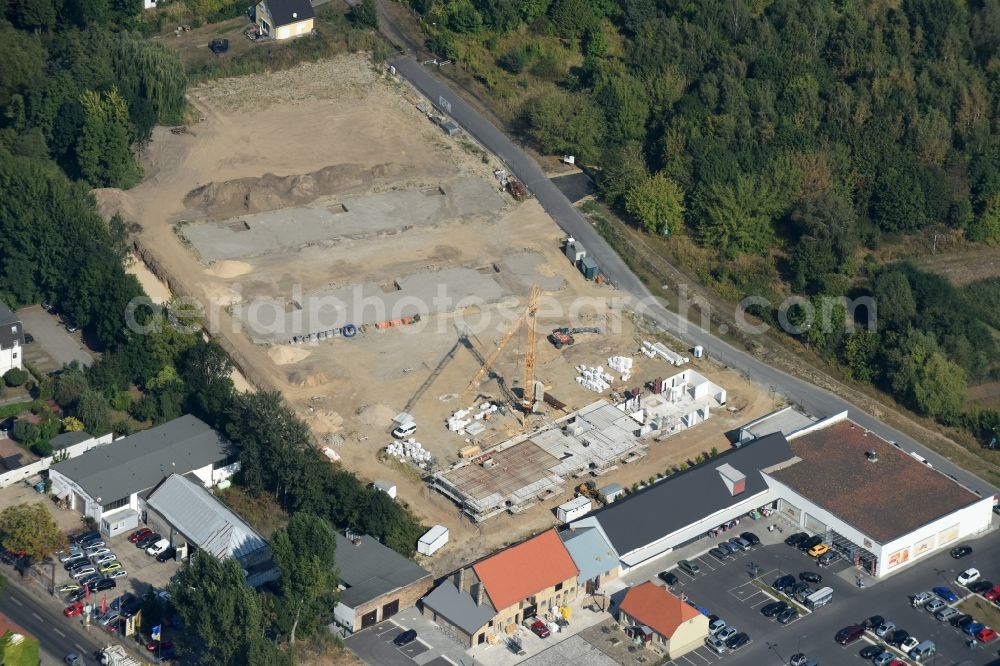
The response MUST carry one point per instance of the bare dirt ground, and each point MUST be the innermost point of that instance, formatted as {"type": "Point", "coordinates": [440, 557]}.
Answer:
{"type": "Point", "coordinates": [263, 144]}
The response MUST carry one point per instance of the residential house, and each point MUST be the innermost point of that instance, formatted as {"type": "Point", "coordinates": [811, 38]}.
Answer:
{"type": "Point", "coordinates": [651, 614]}
{"type": "Point", "coordinates": [534, 578]}
{"type": "Point", "coordinates": [284, 19]}
{"type": "Point", "coordinates": [593, 555]}
{"type": "Point", "coordinates": [11, 340]}
{"type": "Point", "coordinates": [192, 518]}
{"type": "Point", "coordinates": [116, 478]}
{"type": "Point", "coordinates": [376, 582]}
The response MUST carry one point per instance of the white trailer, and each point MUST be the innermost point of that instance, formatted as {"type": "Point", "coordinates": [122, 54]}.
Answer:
{"type": "Point", "coordinates": [573, 509]}
{"type": "Point", "coordinates": [433, 540]}
{"type": "Point", "coordinates": [115, 655]}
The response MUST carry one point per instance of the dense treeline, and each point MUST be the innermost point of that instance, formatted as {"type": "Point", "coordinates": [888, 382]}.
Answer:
{"type": "Point", "coordinates": [787, 139]}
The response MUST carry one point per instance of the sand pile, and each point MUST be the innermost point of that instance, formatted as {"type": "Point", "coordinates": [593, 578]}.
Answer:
{"type": "Point", "coordinates": [299, 378]}
{"type": "Point", "coordinates": [377, 415]}
{"type": "Point", "coordinates": [285, 355]}
{"type": "Point", "coordinates": [325, 422]}
{"type": "Point", "coordinates": [228, 269]}
{"type": "Point", "coordinates": [271, 192]}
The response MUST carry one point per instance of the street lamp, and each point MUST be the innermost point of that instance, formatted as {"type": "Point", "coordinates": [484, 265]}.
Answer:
{"type": "Point", "coordinates": [773, 647]}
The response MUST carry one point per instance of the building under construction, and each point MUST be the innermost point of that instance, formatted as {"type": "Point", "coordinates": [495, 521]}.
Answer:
{"type": "Point", "coordinates": [536, 466]}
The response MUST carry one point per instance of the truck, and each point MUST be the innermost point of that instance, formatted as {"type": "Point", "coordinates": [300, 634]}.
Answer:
{"type": "Point", "coordinates": [563, 336]}
{"type": "Point", "coordinates": [115, 655]}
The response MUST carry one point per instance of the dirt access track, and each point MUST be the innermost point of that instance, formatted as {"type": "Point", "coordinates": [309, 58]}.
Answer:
{"type": "Point", "coordinates": [308, 199]}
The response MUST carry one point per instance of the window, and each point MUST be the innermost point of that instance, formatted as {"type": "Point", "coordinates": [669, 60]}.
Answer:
{"type": "Point", "coordinates": [558, 586]}
{"type": "Point", "coordinates": [117, 504]}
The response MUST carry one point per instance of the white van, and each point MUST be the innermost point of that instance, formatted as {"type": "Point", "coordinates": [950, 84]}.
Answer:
{"type": "Point", "coordinates": [405, 430]}
{"type": "Point", "coordinates": [158, 547]}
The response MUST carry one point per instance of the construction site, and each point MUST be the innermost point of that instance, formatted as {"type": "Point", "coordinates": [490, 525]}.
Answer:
{"type": "Point", "coordinates": [383, 275]}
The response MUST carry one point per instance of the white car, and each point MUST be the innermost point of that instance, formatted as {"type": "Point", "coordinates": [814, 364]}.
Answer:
{"type": "Point", "coordinates": [83, 571]}
{"type": "Point", "coordinates": [158, 547]}
{"type": "Point", "coordinates": [716, 626]}
{"type": "Point", "coordinates": [968, 576]}
{"type": "Point", "coordinates": [715, 644]}
{"type": "Point", "coordinates": [726, 633]}
{"type": "Point", "coordinates": [97, 552]}
{"type": "Point", "coordinates": [121, 573]}
{"type": "Point", "coordinates": [908, 645]}
{"type": "Point", "coordinates": [70, 554]}
{"type": "Point", "coordinates": [104, 558]}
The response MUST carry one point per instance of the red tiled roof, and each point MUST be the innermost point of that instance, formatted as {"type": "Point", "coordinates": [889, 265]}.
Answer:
{"type": "Point", "coordinates": [525, 569]}
{"type": "Point", "coordinates": [653, 606]}
{"type": "Point", "coordinates": [884, 499]}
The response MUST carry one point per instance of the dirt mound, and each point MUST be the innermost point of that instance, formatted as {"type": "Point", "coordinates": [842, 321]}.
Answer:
{"type": "Point", "coordinates": [271, 192]}
{"type": "Point", "coordinates": [111, 200]}
{"type": "Point", "coordinates": [228, 269]}
{"type": "Point", "coordinates": [376, 415]}
{"type": "Point", "coordinates": [325, 422]}
{"type": "Point", "coordinates": [299, 378]}
{"type": "Point", "coordinates": [283, 355]}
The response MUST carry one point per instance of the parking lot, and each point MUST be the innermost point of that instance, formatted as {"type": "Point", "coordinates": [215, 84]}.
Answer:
{"type": "Point", "coordinates": [375, 646]}
{"type": "Point", "coordinates": [54, 346]}
{"type": "Point", "coordinates": [725, 588]}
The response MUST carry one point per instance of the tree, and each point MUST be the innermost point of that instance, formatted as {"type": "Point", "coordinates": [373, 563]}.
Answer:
{"type": "Point", "coordinates": [987, 226]}
{"type": "Point", "coordinates": [206, 370]}
{"type": "Point", "coordinates": [894, 298]}
{"type": "Point", "coordinates": [221, 613]}
{"type": "Point", "coordinates": [859, 353]}
{"type": "Point", "coordinates": [737, 217]}
{"type": "Point", "coordinates": [94, 411]}
{"type": "Point", "coordinates": [898, 197]}
{"type": "Point", "coordinates": [102, 150]}
{"type": "Point", "coordinates": [563, 122]}
{"type": "Point", "coordinates": [939, 390]}
{"type": "Point", "coordinates": [365, 14]}
{"type": "Point", "coordinates": [624, 101]}
{"type": "Point", "coordinates": [30, 529]}
{"type": "Point", "coordinates": [15, 377]}
{"type": "Point", "coordinates": [304, 552]}
{"type": "Point", "coordinates": [72, 424]}
{"type": "Point", "coordinates": [826, 235]}
{"type": "Point", "coordinates": [623, 168]}
{"type": "Point", "coordinates": [658, 203]}
{"type": "Point", "coordinates": [69, 386]}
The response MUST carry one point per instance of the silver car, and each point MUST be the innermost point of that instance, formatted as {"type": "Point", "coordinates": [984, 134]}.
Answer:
{"type": "Point", "coordinates": [934, 605]}
{"type": "Point", "coordinates": [715, 644]}
{"type": "Point", "coordinates": [946, 614]}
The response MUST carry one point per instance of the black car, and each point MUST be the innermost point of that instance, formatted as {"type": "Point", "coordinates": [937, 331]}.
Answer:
{"type": "Point", "coordinates": [148, 541]}
{"type": "Point", "coordinates": [849, 634]}
{"type": "Point", "coordinates": [75, 562]}
{"type": "Point", "coordinates": [104, 584]}
{"type": "Point", "coordinates": [92, 535]}
{"type": "Point", "coordinates": [980, 586]}
{"type": "Point", "coordinates": [958, 552]}
{"type": "Point", "coordinates": [667, 577]}
{"type": "Point", "coordinates": [787, 615]}
{"type": "Point", "coordinates": [751, 537]}
{"type": "Point", "coordinates": [871, 651]}
{"type": "Point", "coordinates": [897, 638]}
{"type": "Point", "coordinates": [167, 554]}
{"type": "Point", "coordinates": [810, 542]}
{"type": "Point", "coordinates": [961, 620]}
{"type": "Point", "coordinates": [737, 641]}
{"type": "Point", "coordinates": [219, 46]}
{"type": "Point", "coordinates": [873, 621]}
{"type": "Point", "coordinates": [28, 338]}
{"type": "Point", "coordinates": [717, 554]}
{"type": "Point", "coordinates": [405, 638]}
{"type": "Point", "coordinates": [772, 609]}
{"type": "Point", "coordinates": [784, 582]}
{"type": "Point", "coordinates": [130, 608]}
{"type": "Point", "coordinates": [796, 539]}
{"type": "Point", "coordinates": [797, 588]}
{"type": "Point", "coordinates": [810, 577]}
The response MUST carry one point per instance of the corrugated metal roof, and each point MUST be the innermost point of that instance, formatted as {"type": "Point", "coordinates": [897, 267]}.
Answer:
{"type": "Point", "coordinates": [140, 461]}
{"type": "Point", "coordinates": [204, 520]}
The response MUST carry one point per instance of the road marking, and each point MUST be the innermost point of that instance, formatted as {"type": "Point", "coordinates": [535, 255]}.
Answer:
{"type": "Point", "coordinates": [80, 648]}
{"type": "Point", "coordinates": [700, 656]}
{"type": "Point", "coordinates": [37, 617]}
{"type": "Point", "coordinates": [59, 632]}
{"type": "Point", "coordinates": [16, 601]}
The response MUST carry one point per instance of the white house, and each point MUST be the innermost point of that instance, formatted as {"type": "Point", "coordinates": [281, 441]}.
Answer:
{"type": "Point", "coordinates": [284, 19]}
{"type": "Point", "coordinates": [11, 340]}
{"type": "Point", "coordinates": [113, 478]}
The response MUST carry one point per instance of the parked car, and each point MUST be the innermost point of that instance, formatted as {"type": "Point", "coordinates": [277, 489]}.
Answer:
{"type": "Point", "coordinates": [849, 634]}
{"type": "Point", "coordinates": [885, 629]}
{"type": "Point", "coordinates": [920, 598]}
{"type": "Point", "coordinates": [96, 548]}
{"type": "Point", "coordinates": [158, 547]}
{"type": "Point", "coordinates": [750, 538]}
{"type": "Point", "coordinates": [726, 633]}
{"type": "Point", "coordinates": [689, 567]}
{"type": "Point", "coordinates": [828, 558]}
{"type": "Point", "coordinates": [958, 552]}
{"type": "Point", "coordinates": [110, 618]}
{"type": "Point", "coordinates": [772, 609]}
{"type": "Point", "coordinates": [148, 540]}
{"type": "Point", "coordinates": [726, 548]}
{"type": "Point", "coordinates": [104, 584]}
{"type": "Point", "coordinates": [797, 588]}
{"type": "Point", "coordinates": [540, 629]}
{"type": "Point", "coordinates": [154, 646]}
{"type": "Point", "coordinates": [169, 554]}
{"type": "Point", "coordinates": [873, 622]}
{"type": "Point", "coordinates": [716, 625]}
{"type": "Point", "coordinates": [908, 645]}
{"type": "Point", "coordinates": [946, 593]}
{"type": "Point", "coordinates": [807, 544]}
{"type": "Point", "coordinates": [740, 543]}
{"type": "Point", "coordinates": [83, 537]}
{"type": "Point", "coordinates": [945, 614]}
{"type": "Point", "coordinates": [121, 573]}
{"type": "Point", "coordinates": [957, 620]}
{"type": "Point", "coordinates": [871, 651]}
{"type": "Point", "coordinates": [718, 554]}
{"type": "Point", "coordinates": [993, 593]}
{"type": "Point", "coordinates": [140, 533]}
{"type": "Point", "coordinates": [714, 644]}
{"type": "Point", "coordinates": [737, 641]}
{"type": "Point", "coordinates": [819, 549]}
{"type": "Point", "coordinates": [973, 628]}
{"type": "Point", "coordinates": [109, 567]}
{"type": "Point", "coordinates": [883, 659]}
{"type": "Point", "coordinates": [69, 587]}
{"type": "Point", "coordinates": [897, 637]}
{"type": "Point", "coordinates": [74, 610]}
{"type": "Point", "coordinates": [783, 582]}
{"type": "Point", "coordinates": [980, 586]}
{"type": "Point", "coordinates": [71, 553]}
{"type": "Point", "coordinates": [795, 539]}
{"type": "Point", "coordinates": [405, 638]}
{"type": "Point", "coordinates": [83, 571]}
{"type": "Point", "coordinates": [968, 576]}
{"type": "Point", "coordinates": [103, 558]}
{"type": "Point", "coordinates": [810, 577]}
{"type": "Point", "coordinates": [787, 615]}
{"type": "Point", "coordinates": [934, 605]}
{"type": "Point", "coordinates": [798, 659]}
{"type": "Point", "coordinates": [71, 564]}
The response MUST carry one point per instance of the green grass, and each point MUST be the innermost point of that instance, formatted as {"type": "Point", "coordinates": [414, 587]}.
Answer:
{"type": "Point", "coordinates": [14, 409]}
{"type": "Point", "coordinates": [984, 611]}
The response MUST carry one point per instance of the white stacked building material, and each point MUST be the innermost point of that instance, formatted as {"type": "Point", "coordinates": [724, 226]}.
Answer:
{"type": "Point", "coordinates": [623, 365]}
{"type": "Point", "coordinates": [410, 450]}
{"type": "Point", "coordinates": [594, 379]}
{"type": "Point", "coordinates": [652, 349]}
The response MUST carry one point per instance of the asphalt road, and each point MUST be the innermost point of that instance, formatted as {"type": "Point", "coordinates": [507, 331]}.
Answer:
{"type": "Point", "coordinates": [58, 635]}
{"type": "Point", "coordinates": [816, 401]}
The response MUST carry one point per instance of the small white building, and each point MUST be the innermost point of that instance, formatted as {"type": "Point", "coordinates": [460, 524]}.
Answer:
{"type": "Point", "coordinates": [387, 487]}
{"type": "Point", "coordinates": [573, 509]}
{"type": "Point", "coordinates": [11, 340]}
{"type": "Point", "coordinates": [433, 540]}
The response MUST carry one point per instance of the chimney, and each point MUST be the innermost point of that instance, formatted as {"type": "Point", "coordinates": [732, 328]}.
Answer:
{"type": "Point", "coordinates": [460, 579]}
{"type": "Point", "coordinates": [480, 593]}
{"type": "Point", "coordinates": [872, 456]}
{"type": "Point", "coordinates": [735, 480]}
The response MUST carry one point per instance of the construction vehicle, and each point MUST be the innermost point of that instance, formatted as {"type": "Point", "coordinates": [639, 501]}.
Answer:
{"type": "Point", "coordinates": [517, 189]}
{"type": "Point", "coordinates": [563, 337]}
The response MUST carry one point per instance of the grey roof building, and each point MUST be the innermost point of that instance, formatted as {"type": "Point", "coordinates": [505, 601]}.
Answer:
{"type": "Point", "coordinates": [140, 461]}
{"type": "Point", "coordinates": [459, 607]}
{"type": "Point", "coordinates": [377, 581]}
{"type": "Point", "coordinates": [591, 553]}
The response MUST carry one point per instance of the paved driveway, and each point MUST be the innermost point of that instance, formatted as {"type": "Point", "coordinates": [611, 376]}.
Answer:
{"type": "Point", "coordinates": [817, 401]}
{"type": "Point", "coordinates": [54, 346]}
{"type": "Point", "coordinates": [374, 644]}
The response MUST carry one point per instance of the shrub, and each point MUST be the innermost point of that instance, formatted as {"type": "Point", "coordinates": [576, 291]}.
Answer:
{"type": "Point", "coordinates": [714, 451]}
{"type": "Point", "coordinates": [15, 377]}
{"type": "Point", "coordinates": [42, 448]}
{"type": "Point", "coordinates": [515, 60]}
